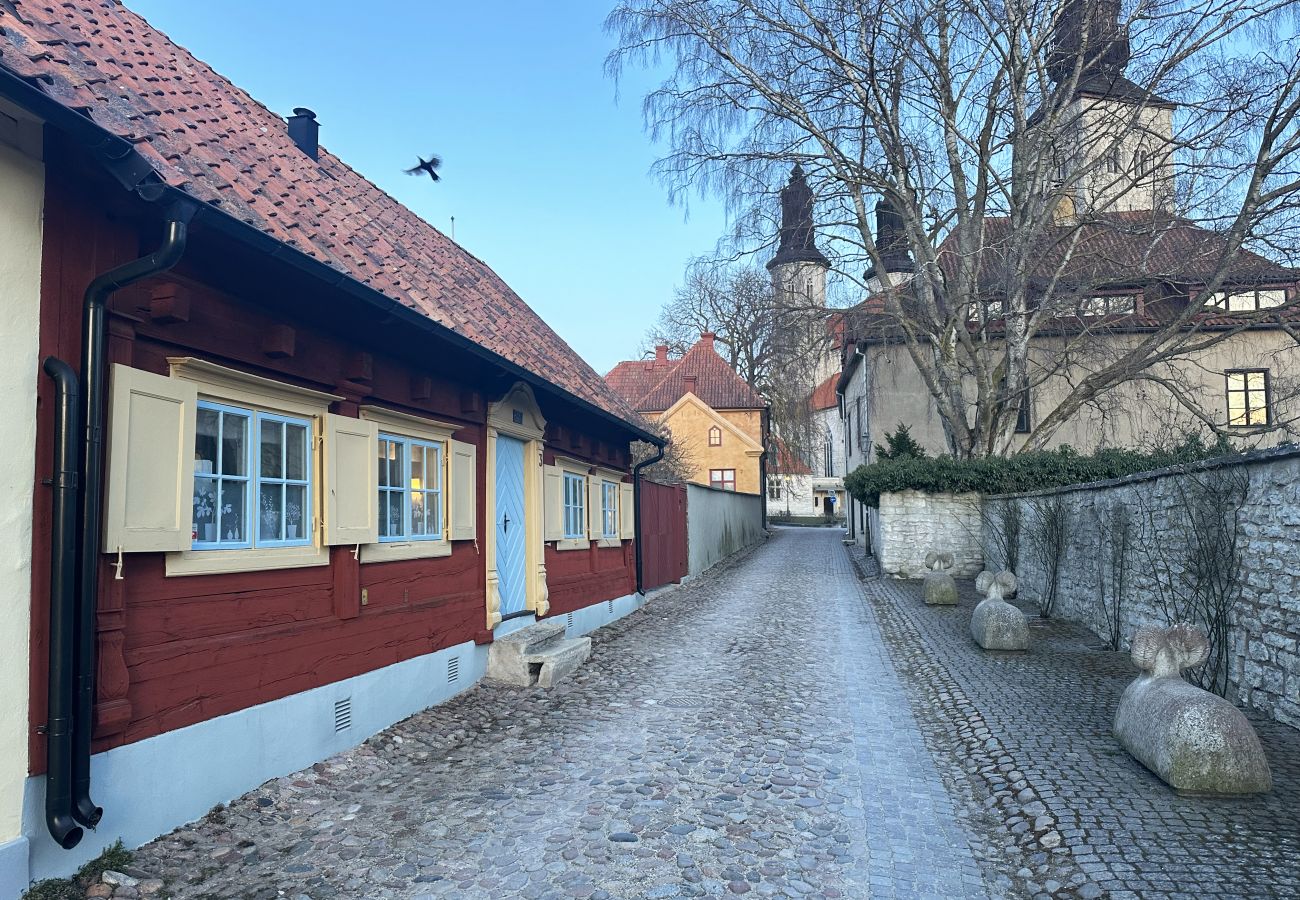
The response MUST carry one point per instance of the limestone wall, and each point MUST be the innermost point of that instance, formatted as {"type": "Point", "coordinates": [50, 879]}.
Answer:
{"type": "Point", "coordinates": [719, 523]}
{"type": "Point", "coordinates": [909, 524]}
{"type": "Point", "coordinates": [1263, 659]}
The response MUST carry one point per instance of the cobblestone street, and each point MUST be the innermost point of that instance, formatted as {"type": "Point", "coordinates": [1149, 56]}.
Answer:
{"type": "Point", "coordinates": [778, 728]}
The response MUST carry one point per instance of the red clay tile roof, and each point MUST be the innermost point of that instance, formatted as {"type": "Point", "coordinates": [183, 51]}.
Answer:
{"type": "Point", "coordinates": [652, 385]}
{"type": "Point", "coordinates": [823, 396]}
{"type": "Point", "coordinates": [786, 463]}
{"type": "Point", "coordinates": [206, 136]}
{"type": "Point", "coordinates": [1129, 247]}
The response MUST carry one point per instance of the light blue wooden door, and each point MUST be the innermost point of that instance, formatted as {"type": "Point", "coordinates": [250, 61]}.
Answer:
{"type": "Point", "coordinates": [510, 524]}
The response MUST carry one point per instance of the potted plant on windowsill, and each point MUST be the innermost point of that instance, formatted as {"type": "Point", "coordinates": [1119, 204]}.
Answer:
{"type": "Point", "coordinates": [292, 516]}
{"type": "Point", "coordinates": [204, 526]}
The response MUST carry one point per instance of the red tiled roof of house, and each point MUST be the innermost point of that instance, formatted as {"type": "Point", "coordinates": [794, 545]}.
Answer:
{"type": "Point", "coordinates": [653, 385]}
{"type": "Point", "coordinates": [1129, 247]}
{"type": "Point", "coordinates": [786, 463]}
{"type": "Point", "coordinates": [204, 135]}
{"type": "Point", "coordinates": [823, 396]}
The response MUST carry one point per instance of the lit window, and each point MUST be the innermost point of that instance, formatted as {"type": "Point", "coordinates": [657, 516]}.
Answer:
{"type": "Point", "coordinates": [410, 489]}
{"type": "Point", "coordinates": [575, 506]}
{"type": "Point", "coordinates": [252, 479]}
{"type": "Point", "coordinates": [774, 489]}
{"type": "Point", "coordinates": [609, 509]}
{"type": "Point", "coordinates": [1248, 397]}
{"type": "Point", "coordinates": [715, 436]}
{"type": "Point", "coordinates": [723, 478]}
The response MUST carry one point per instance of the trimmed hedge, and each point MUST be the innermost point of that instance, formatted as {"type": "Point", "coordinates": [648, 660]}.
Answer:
{"type": "Point", "coordinates": [1023, 472]}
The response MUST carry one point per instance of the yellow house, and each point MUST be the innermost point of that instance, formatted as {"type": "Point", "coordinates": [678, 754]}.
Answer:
{"type": "Point", "coordinates": [718, 420]}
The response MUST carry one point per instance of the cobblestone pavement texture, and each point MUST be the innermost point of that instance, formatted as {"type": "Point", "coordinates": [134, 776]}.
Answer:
{"type": "Point", "coordinates": [1035, 729]}
{"type": "Point", "coordinates": [744, 734]}
{"type": "Point", "coordinates": [778, 727]}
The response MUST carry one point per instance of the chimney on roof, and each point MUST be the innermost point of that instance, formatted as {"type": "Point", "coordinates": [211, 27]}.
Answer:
{"type": "Point", "coordinates": [690, 383]}
{"type": "Point", "coordinates": [304, 131]}
{"type": "Point", "coordinates": [706, 337]}
{"type": "Point", "coordinates": [661, 353]}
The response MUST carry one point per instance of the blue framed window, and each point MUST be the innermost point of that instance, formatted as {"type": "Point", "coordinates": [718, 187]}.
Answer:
{"type": "Point", "coordinates": [410, 489]}
{"type": "Point", "coordinates": [609, 509]}
{"type": "Point", "coordinates": [575, 506]}
{"type": "Point", "coordinates": [252, 479]}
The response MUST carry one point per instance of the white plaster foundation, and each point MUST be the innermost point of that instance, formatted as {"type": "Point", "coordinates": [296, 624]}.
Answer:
{"type": "Point", "coordinates": [161, 783]}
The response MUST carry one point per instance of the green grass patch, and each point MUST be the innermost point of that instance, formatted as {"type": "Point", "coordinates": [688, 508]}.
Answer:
{"type": "Point", "coordinates": [115, 857]}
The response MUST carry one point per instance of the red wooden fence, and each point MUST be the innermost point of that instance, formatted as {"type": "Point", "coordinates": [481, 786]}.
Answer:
{"type": "Point", "coordinates": [663, 533]}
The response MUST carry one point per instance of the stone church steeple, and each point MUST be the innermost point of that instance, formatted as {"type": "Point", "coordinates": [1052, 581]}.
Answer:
{"type": "Point", "coordinates": [1115, 150]}
{"type": "Point", "coordinates": [799, 268]}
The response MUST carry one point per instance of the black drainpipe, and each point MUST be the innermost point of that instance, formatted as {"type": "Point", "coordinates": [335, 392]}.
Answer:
{"type": "Point", "coordinates": [63, 608]}
{"type": "Point", "coordinates": [636, 511]}
{"type": "Point", "coordinates": [94, 375]}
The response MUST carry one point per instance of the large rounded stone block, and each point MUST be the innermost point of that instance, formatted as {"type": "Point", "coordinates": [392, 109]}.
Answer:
{"type": "Point", "coordinates": [1196, 741]}
{"type": "Point", "coordinates": [940, 589]}
{"type": "Point", "coordinates": [996, 624]}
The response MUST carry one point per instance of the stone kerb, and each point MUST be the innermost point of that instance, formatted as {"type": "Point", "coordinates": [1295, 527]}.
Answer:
{"type": "Point", "coordinates": [995, 624]}
{"type": "Point", "coordinates": [911, 523]}
{"type": "Point", "coordinates": [1197, 742]}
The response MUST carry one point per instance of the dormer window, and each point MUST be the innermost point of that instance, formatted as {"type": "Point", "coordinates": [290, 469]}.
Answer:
{"type": "Point", "coordinates": [1248, 301]}
{"type": "Point", "coordinates": [1115, 305]}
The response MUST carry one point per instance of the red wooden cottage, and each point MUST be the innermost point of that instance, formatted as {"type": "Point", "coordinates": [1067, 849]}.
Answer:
{"type": "Point", "coordinates": [296, 460]}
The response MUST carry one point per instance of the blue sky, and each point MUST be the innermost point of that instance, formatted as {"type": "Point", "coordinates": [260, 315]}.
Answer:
{"type": "Point", "coordinates": [545, 172]}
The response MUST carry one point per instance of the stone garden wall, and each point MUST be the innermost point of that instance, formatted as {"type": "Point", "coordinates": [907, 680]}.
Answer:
{"type": "Point", "coordinates": [909, 524]}
{"type": "Point", "coordinates": [1262, 659]}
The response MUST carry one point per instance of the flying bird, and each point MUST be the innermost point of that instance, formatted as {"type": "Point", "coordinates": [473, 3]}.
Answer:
{"type": "Point", "coordinates": [429, 166]}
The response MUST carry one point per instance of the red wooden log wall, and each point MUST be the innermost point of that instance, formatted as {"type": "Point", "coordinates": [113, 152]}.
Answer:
{"type": "Point", "coordinates": [176, 651]}
{"type": "Point", "coordinates": [663, 534]}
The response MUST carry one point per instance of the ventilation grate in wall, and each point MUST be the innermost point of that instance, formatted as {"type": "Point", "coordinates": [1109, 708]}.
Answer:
{"type": "Point", "coordinates": [343, 714]}
{"type": "Point", "coordinates": [453, 670]}
{"type": "Point", "coordinates": [569, 619]}
{"type": "Point", "coordinates": [611, 606]}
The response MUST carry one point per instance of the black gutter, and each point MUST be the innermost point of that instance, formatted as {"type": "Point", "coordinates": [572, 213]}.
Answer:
{"type": "Point", "coordinates": [63, 608]}
{"type": "Point", "coordinates": [636, 510]}
{"type": "Point", "coordinates": [93, 371]}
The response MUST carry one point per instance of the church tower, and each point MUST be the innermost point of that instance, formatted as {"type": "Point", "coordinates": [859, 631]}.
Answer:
{"type": "Point", "coordinates": [799, 268]}
{"type": "Point", "coordinates": [1115, 148]}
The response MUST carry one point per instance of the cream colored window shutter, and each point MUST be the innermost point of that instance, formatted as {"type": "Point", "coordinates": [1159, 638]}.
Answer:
{"type": "Point", "coordinates": [464, 482]}
{"type": "Point", "coordinates": [594, 524]}
{"type": "Point", "coordinates": [150, 492]}
{"type": "Point", "coordinates": [351, 480]}
{"type": "Point", "coordinates": [553, 497]}
{"type": "Point", "coordinates": [626, 512]}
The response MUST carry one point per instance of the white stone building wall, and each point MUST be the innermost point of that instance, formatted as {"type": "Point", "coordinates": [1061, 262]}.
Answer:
{"type": "Point", "coordinates": [909, 524]}
{"type": "Point", "coordinates": [22, 197]}
{"type": "Point", "coordinates": [1264, 656]}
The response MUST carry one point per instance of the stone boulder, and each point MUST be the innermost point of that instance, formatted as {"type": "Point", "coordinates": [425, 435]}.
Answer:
{"type": "Point", "coordinates": [1196, 741]}
{"type": "Point", "coordinates": [940, 589]}
{"type": "Point", "coordinates": [996, 624]}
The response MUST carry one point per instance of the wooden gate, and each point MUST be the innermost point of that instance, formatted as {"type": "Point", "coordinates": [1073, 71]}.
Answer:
{"type": "Point", "coordinates": [663, 533]}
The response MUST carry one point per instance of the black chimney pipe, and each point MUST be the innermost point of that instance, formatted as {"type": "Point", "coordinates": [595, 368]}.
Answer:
{"type": "Point", "coordinates": [93, 373]}
{"type": "Point", "coordinates": [304, 131]}
{"type": "Point", "coordinates": [63, 608]}
{"type": "Point", "coordinates": [636, 512]}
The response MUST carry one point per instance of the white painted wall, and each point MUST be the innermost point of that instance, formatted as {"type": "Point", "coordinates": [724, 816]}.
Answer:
{"type": "Point", "coordinates": [719, 523]}
{"type": "Point", "coordinates": [22, 194]}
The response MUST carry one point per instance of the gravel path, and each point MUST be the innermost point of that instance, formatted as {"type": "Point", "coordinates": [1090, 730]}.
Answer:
{"type": "Point", "coordinates": [745, 734]}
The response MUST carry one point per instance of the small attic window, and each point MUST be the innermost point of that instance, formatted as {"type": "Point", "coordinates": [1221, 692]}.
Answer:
{"type": "Point", "coordinates": [715, 436]}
